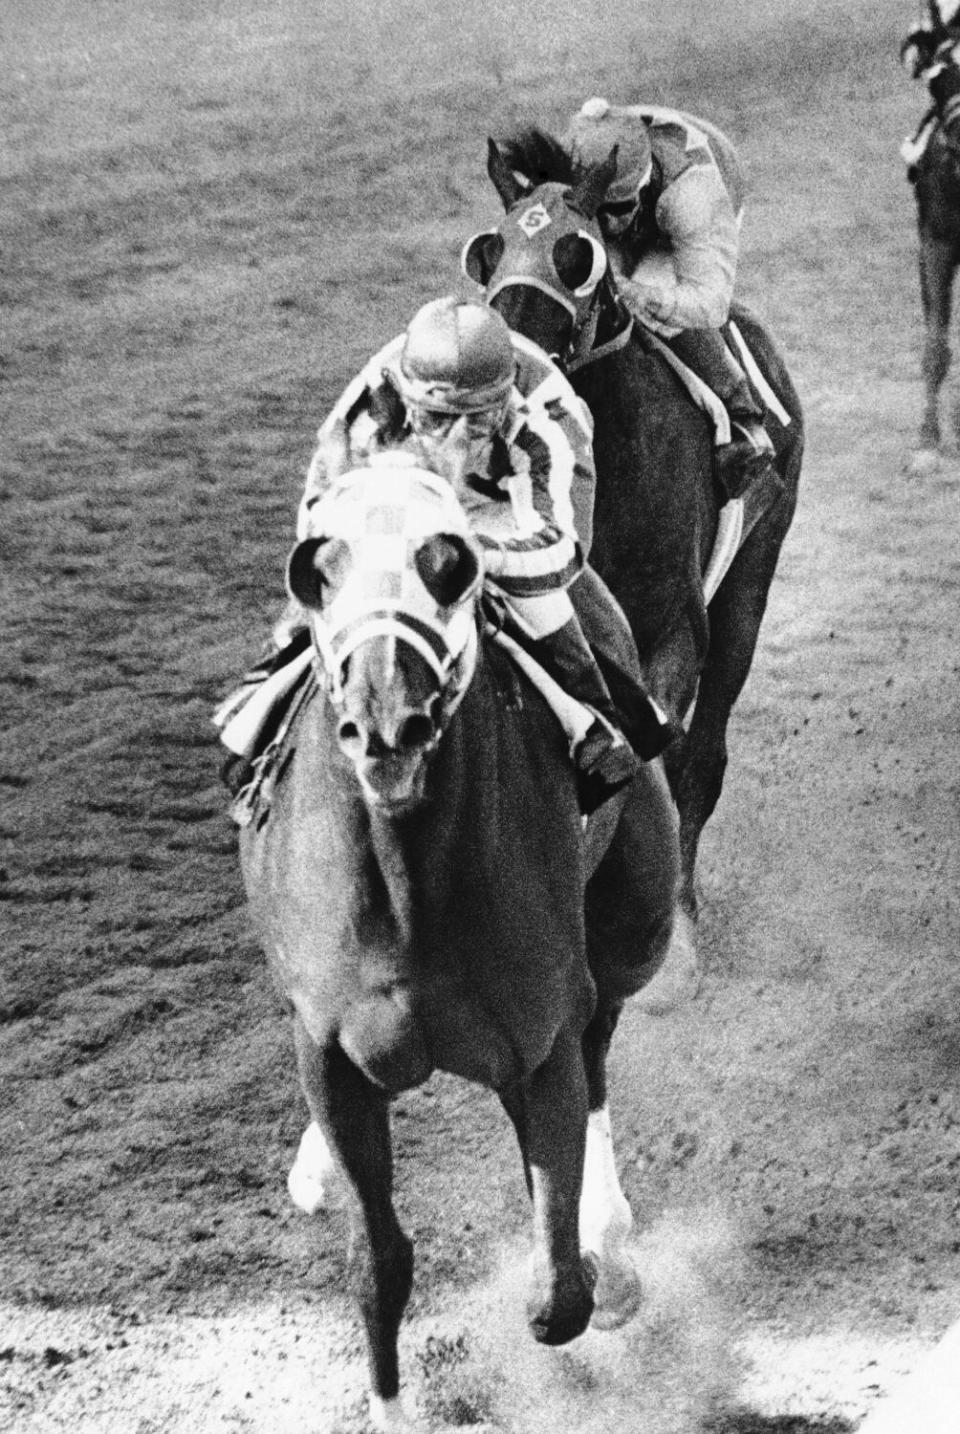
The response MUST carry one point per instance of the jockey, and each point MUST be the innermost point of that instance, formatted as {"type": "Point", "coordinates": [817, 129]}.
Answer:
{"type": "Point", "coordinates": [488, 410]}
{"type": "Point", "coordinates": [929, 52]}
{"type": "Point", "coordinates": [671, 223]}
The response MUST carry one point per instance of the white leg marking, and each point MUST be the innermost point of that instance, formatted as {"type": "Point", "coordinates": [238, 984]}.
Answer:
{"type": "Point", "coordinates": [314, 1172]}
{"type": "Point", "coordinates": [391, 1416]}
{"type": "Point", "coordinates": [605, 1224]}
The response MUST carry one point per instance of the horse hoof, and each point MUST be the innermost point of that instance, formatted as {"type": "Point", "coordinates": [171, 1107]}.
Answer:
{"type": "Point", "coordinates": [392, 1416]}
{"type": "Point", "coordinates": [549, 1325]}
{"type": "Point", "coordinates": [923, 461]}
{"type": "Point", "coordinates": [618, 1295]}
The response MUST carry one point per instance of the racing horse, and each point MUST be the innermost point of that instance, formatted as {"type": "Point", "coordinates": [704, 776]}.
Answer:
{"type": "Point", "coordinates": [429, 899]}
{"type": "Point", "coordinates": [937, 192]}
{"type": "Point", "coordinates": [656, 521]}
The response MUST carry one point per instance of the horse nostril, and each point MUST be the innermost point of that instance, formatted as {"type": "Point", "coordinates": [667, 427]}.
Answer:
{"type": "Point", "coordinates": [415, 731]}
{"type": "Point", "coordinates": [348, 733]}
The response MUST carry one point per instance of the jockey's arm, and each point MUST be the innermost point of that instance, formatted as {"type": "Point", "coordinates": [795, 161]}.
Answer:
{"type": "Point", "coordinates": [691, 285]}
{"type": "Point", "coordinates": [531, 546]}
{"type": "Point", "coordinates": [350, 432]}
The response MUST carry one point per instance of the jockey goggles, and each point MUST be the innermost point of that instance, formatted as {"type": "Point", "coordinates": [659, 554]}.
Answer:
{"type": "Point", "coordinates": [439, 422]}
{"type": "Point", "coordinates": [445, 397]}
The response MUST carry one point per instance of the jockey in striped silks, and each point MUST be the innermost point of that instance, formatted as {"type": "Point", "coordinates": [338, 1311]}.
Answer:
{"type": "Point", "coordinates": [488, 410]}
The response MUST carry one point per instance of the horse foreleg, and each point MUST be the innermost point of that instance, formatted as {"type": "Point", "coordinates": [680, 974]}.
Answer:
{"type": "Point", "coordinates": [550, 1116]}
{"type": "Point", "coordinates": [605, 1215]}
{"type": "Point", "coordinates": [937, 261]}
{"type": "Point", "coordinates": [313, 1175]}
{"type": "Point", "coordinates": [352, 1115]}
{"type": "Point", "coordinates": [698, 764]}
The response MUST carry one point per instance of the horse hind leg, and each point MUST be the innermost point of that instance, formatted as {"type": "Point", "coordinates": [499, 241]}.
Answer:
{"type": "Point", "coordinates": [934, 366]}
{"type": "Point", "coordinates": [353, 1118]}
{"type": "Point", "coordinates": [631, 909]}
{"type": "Point", "coordinates": [937, 262]}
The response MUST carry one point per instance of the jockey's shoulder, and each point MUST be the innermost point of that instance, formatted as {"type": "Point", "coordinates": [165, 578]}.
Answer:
{"type": "Point", "coordinates": [547, 394]}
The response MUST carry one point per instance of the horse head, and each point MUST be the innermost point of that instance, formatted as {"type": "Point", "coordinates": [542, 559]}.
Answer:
{"type": "Point", "coordinates": [545, 267]}
{"type": "Point", "coordinates": [390, 575]}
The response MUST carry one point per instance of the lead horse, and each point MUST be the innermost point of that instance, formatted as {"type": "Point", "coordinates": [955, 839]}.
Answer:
{"type": "Point", "coordinates": [937, 192]}
{"type": "Point", "coordinates": [545, 268]}
{"type": "Point", "coordinates": [429, 900]}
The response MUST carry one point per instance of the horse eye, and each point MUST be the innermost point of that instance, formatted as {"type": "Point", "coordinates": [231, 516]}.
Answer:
{"type": "Point", "coordinates": [481, 255]}
{"type": "Point", "coordinates": [447, 567]}
{"type": "Point", "coordinates": [315, 564]}
{"type": "Point", "coordinates": [573, 259]}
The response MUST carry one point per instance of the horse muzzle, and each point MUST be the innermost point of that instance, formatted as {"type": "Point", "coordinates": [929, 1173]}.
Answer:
{"type": "Point", "coordinates": [391, 768]}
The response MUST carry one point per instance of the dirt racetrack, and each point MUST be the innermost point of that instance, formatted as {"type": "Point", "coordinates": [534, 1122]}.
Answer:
{"type": "Point", "coordinates": [210, 216]}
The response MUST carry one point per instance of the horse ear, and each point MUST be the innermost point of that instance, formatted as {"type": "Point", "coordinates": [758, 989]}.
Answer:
{"type": "Point", "coordinates": [447, 566]}
{"type": "Point", "coordinates": [505, 182]}
{"type": "Point", "coordinates": [314, 564]}
{"type": "Point", "coordinates": [588, 193]}
{"type": "Point", "coordinates": [480, 256]}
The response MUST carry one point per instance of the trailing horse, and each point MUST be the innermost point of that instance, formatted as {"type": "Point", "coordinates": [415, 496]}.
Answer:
{"type": "Point", "coordinates": [657, 517]}
{"type": "Point", "coordinates": [937, 191]}
{"type": "Point", "coordinates": [429, 900]}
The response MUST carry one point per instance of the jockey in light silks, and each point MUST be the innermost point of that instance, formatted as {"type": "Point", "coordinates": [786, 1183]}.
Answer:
{"type": "Point", "coordinates": [930, 52]}
{"type": "Point", "coordinates": [488, 410]}
{"type": "Point", "coordinates": [671, 224]}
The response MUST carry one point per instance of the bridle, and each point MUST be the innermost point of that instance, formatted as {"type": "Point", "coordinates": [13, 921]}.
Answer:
{"type": "Point", "coordinates": [598, 317]}
{"type": "Point", "coordinates": [366, 576]}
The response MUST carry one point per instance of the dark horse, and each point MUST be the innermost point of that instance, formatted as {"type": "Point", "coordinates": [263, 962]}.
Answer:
{"type": "Point", "coordinates": [937, 190]}
{"type": "Point", "coordinates": [429, 900]}
{"type": "Point", "coordinates": [545, 269]}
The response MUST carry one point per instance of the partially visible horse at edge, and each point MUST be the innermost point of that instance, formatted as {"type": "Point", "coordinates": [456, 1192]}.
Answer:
{"type": "Point", "coordinates": [545, 268]}
{"type": "Point", "coordinates": [937, 193]}
{"type": "Point", "coordinates": [428, 900]}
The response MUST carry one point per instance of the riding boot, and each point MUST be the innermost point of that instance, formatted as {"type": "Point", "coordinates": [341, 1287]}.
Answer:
{"type": "Point", "coordinates": [288, 638]}
{"type": "Point", "coordinates": [604, 760]}
{"type": "Point", "coordinates": [750, 454]}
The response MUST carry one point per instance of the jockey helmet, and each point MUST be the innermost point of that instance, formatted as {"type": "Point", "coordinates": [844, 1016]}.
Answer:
{"type": "Point", "coordinates": [457, 358]}
{"type": "Point", "coordinates": [592, 134]}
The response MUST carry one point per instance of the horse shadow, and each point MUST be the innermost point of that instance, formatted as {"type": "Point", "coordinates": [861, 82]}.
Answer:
{"type": "Point", "coordinates": [745, 1421]}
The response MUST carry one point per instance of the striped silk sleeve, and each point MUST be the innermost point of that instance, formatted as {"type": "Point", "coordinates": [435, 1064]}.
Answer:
{"type": "Point", "coordinates": [538, 548]}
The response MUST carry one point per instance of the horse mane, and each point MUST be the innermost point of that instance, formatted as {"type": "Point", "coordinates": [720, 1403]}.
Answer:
{"type": "Point", "coordinates": [539, 156]}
